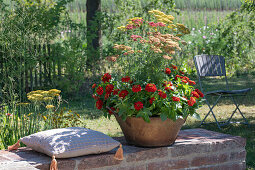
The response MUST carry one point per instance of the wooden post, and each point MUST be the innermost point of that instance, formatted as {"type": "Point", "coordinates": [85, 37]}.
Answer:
{"type": "Point", "coordinates": [45, 65]}
{"type": "Point", "coordinates": [40, 65]}
{"type": "Point", "coordinates": [49, 63]}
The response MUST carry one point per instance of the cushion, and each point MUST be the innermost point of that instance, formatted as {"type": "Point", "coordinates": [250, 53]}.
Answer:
{"type": "Point", "coordinates": [70, 142]}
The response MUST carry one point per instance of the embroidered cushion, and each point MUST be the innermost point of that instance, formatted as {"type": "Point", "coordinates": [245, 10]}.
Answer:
{"type": "Point", "coordinates": [70, 142]}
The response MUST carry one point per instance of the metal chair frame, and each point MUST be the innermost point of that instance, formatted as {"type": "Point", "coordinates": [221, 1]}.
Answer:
{"type": "Point", "coordinates": [214, 66]}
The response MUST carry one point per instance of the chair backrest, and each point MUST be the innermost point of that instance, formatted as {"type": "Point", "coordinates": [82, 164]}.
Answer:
{"type": "Point", "coordinates": [210, 65]}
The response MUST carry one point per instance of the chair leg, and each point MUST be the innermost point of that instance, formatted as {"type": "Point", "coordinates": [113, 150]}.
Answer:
{"type": "Point", "coordinates": [237, 108]}
{"type": "Point", "coordinates": [211, 111]}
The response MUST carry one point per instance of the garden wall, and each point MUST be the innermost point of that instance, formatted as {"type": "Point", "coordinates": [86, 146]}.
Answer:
{"type": "Point", "coordinates": [194, 149]}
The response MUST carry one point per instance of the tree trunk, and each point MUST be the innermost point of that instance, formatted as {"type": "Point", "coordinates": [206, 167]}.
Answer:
{"type": "Point", "coordinates": [93, 32]}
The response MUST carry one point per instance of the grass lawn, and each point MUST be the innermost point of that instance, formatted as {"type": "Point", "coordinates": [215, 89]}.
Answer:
{"type": "Point", "coordinates": [94, 119]}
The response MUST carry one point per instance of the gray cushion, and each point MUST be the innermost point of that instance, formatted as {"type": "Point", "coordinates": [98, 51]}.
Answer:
{"type": "Point", "coordinates": [70, 142]}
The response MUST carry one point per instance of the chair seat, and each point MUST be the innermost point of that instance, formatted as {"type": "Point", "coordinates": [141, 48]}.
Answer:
{"type": "Point", "coordinates": [226, 92]}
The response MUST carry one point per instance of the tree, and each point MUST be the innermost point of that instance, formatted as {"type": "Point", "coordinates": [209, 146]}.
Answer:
{"type": "Point", "coordinates": [93, 31]}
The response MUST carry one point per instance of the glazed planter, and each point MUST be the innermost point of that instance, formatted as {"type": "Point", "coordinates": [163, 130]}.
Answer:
{"type": "Point", "coordinates": [153, 134]}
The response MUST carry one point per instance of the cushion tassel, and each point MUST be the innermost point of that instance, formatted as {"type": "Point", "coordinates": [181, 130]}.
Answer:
{"type": "Point", "coordinates": [54, 164]}
{"type": "Point", "coordinates": [119, 154]}
{"type": "Point", "coordinates": [14, 146]}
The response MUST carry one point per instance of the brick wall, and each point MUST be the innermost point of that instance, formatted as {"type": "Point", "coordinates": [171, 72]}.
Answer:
{"type": "Point", "coordinates": [196, 149]}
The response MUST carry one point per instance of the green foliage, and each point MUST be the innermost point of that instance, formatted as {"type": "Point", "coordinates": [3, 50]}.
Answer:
{"type": "Point", "coordinates": [208, 4]}
{"type": "Point", "coordinates": [237, 40]}
{"type": "Point", "coordinates": [45, 111]}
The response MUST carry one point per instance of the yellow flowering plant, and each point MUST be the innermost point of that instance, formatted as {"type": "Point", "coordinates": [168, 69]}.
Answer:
{"type": "Point", "coordinates": [48, 103]}
{"type": "Point", "coordinates": [148, 46]}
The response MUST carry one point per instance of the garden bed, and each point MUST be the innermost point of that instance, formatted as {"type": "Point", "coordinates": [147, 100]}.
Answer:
{"type": "Point", "coordinates": [194, 148]}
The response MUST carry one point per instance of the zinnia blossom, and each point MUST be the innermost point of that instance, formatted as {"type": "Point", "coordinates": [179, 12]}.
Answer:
{"type": "Point", "coordinates": [178, 76]}
{"type": "Point", "coordinates": [192, 82]}
{"type": "Point", "coordinates": [99, 104]}
{"type": "Point", "coordinates": [150, 87]}
{"type": "Point", "coordinates": [109, 88]}
{"type": "Point", "coordinates": [199, 92]}
{"type": "Point", "coordinates": [100, 90]}
{"type": "Point", "coordinates": [125, 79]}
{"type": "Point", "coordinates": [138, 106]}
{"type": "Point", "coordinates": [106, 77]}
{"type": "Point", "coordinates": [116, 91]}
{"type": "Point", "coordinates": [168, 89]}
{"type": "Point", "coordinates": [195, 94]}
{"type": "Point", "coordinates": [174, 67]}
{"type": "Point", "coordinates": [162, 94]}
{"type": "Point", "coordinates": [123, 94]}
{"type": "Point", "coordinates": [181, 72]}
{"type": "Point", "coordinates": [152, 100]}
{"type": "Point", "coordinates": [107, 95]}
{"type": "Point", "coordinates": [191, 101]}
{"type": "Point", "coordinates": [94, 85]}
{"type": "Point", "coordinates": [184, 81]}
{"type": "Point", "coordinates": [177, 99]}
{"type": "Point", "coordinates": [167, 71]}
{"type": "Point", "coordinates": [136, 88]}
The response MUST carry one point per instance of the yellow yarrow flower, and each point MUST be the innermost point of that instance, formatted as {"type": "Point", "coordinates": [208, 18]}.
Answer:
{"type": "Point", "coordinates": [122, 28]}
{"type": "Point", "coordinates": [54, 91]}
{"type": "Point", "coordinates": [44, 117]}
{"type": "Point", "coordinates": [49, 106]}
{"type": "Point", "coordinates": [134, 18]}
{"type": "Point", "coordinates": [47, 98]}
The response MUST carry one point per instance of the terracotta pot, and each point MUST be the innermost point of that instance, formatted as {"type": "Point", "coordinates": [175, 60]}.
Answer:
{"type": "Point", "coordinates": [156, 133]}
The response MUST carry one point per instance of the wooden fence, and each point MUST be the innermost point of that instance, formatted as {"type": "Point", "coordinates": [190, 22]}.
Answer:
{"type": "Point", "coordinates": [40, 71]}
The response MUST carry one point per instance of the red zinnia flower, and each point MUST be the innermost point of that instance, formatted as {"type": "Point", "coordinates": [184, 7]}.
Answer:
{"type": "Point", "coordinates": [99, 104]}
{"type": "Point", "coordinates": [116, 91]}
{"type": "Point", "coordinates": [138, 106]}
{"type": "Point", "coordinates": [199, 92]}
{"type": "Point", "coordinates": [123, 94]}
{"type": "Point", "coordinates": [168, 71]}
{"type": "Point", "coordinates": [152, 100]}
{"type": "Point", "coordinates": [174, 67]}
{"type": "Point", "coordinates": [181, 72]}
{"type": "Point", "coordinates": [100, 90]}
{"type": "Point", "coordinates": [178, 76]}
{"type": "Point", "coordinates": [167, 83]}
{"type": "Point", "coordinates": [106, 77]}
{"type": "Point", "coordinates": [191, 82]}
{"type": "Point", "coordinates": [162, 94]}
{"type": "Point", "coordinates": [177, 99]}
{"type": "Point", "coordinates": [150, 87]}
{"type": "Point", "coordinates": [168, 89]}
{"type": "Point", "coordinates": [184, 81]}
{"type": "Point", "coordinates": [191, 101]}
{"type": "Point", "coordinates": [125, 79]}
{"type": "Point", "coordinates": [136, 88]}
{"type": "Point", "coordinates": [94, 85]}
{"type": "Point", "coordinates": [111, 110]}
{"type": "Point", "coordinates": [107, 95]}
{"type": "Point", "coordinates": [185, 78]}
{"type": "Point", "coordinates": [195, 94]}
{"type": "Point", "coordinates": [109, 88]}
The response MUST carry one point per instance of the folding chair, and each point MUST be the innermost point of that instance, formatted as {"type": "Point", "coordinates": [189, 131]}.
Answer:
{"type": "Point", "coordinates": [214, 66]}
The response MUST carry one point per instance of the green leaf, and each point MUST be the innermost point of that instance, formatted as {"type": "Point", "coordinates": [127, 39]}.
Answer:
{"type": "Point", "coordinates": [163, 116]}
